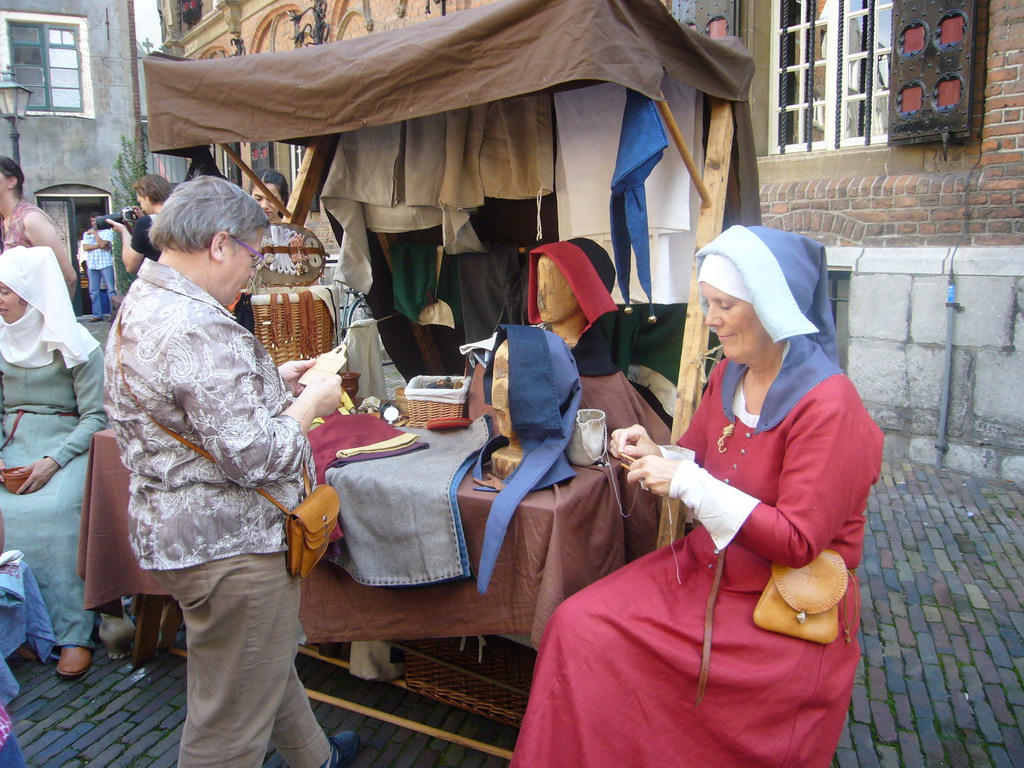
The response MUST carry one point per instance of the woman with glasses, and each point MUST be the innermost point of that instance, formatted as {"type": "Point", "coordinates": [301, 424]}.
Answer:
{"type": "Point", "coordinates": [179, 362]}
{"type": "Point", "coordinates": [25, 224]}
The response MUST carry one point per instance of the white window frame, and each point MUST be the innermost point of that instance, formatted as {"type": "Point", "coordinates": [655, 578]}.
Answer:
{"type": "Point", "coordinates": [82, 25]}
{"type": "Point", "coordinates": [833, 60]}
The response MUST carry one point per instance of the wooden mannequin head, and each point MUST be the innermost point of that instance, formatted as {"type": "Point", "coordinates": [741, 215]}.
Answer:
{"type": "Point", "coordinates": [557, 304]}
{"type": "Point", "coordinates": [503, 460]}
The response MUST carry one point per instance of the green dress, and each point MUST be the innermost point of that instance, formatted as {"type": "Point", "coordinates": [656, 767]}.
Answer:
{"type": "Point", "coordinates": [44, 524]}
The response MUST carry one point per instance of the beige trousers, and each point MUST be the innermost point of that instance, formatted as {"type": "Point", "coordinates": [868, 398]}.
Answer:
{"type": "Point", "coordinates": [242, 630]}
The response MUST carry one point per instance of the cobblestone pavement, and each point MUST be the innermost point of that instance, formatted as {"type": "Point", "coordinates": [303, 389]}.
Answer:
{"type": "Point", "coordinates": [942, 625]}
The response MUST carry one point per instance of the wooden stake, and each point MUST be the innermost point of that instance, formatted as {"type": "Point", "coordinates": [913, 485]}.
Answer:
{"type": "Point", "coordinates": [256, 180]}
{"type": "Point", "coordinates": [387, 717]}
{"type": "Point", "coordinates": [684, 151]}
{"type": "Point", "coordinates": [412, 725]}
{"type": "Point", "coordinates": [695, 333]}
{"type": "Point", "coordinates": [315, 160]}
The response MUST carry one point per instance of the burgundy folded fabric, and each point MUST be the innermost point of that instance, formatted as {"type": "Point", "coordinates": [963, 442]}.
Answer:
{"type": "Point", "coordinates": [418, 445]}
{"type": "Point", "coordinates": [341, 431]}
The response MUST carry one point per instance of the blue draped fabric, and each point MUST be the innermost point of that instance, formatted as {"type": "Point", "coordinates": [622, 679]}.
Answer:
{"type": "Point", "coordinates": [642, 142]}
{"type": "Point", "coordinates": [544, 395]}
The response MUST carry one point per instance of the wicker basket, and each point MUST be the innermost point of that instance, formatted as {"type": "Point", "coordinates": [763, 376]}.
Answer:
{"type": "Point", "coordinates": [494, 683]}
{"type": "Point", "coordinates": [292, 324]}
{"type": "Point", "coordinates": [450, 403]}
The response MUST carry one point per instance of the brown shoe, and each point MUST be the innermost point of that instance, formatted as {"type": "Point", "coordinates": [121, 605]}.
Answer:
{"type": "Point", "coordinates": [74, 662]}
{"type": "Point", "coordinates": [26, 653]}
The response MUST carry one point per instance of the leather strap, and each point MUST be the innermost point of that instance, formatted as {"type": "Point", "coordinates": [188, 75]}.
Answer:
{"type": "Point", "coordinates": [709, 615]}
{"type": "Point", "coordinates": [14, 428]}
{"type": "Point", "coordinates": [184, 440]}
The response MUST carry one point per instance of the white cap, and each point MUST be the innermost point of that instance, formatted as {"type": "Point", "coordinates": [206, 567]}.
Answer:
{"type": "Point", "coordinates": [719, 272]}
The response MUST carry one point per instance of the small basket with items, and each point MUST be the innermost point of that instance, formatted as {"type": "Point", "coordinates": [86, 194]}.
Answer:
{"type": "Point", "coordinates": [436, 397]}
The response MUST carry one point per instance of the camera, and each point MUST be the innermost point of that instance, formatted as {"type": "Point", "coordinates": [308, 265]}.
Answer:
{"type": "Point", "coordinates": [126, 216]}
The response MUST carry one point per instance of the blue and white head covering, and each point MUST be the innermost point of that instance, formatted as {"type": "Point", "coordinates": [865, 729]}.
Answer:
{"type": "Point", "coordinates": [785, 277]}
{"type": "Point", "coordinates": [544, 394]}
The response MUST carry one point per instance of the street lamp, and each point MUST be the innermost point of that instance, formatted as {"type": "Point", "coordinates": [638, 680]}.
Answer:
{"type": "Point", "coordinates": [13, 105]}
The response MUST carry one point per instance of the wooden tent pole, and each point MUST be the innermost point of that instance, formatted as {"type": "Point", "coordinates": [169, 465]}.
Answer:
{"type": "Point", "coordinates": [386, 717]}
{"type": "Point", "coordinates": [251, 174]}
{"type": "Point", "coordinates": [684, 151]}
{"type": "Point", "coordinates": [315, 161]}
{"type": "Point", "coordinates": [695, 333]}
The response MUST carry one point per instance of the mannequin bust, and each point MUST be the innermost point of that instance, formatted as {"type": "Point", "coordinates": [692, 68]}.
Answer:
{"type": "Point", "coordinates": [557, 303]}
{"type": "Point", "coordinates": [504, 460]}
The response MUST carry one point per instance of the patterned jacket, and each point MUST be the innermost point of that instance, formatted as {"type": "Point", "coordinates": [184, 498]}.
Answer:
{"type": "Point", "coordinates": [201, 374]}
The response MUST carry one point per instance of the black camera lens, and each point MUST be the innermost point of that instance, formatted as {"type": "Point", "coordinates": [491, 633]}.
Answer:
{"type": "Point", "coordinates": [103, 222]}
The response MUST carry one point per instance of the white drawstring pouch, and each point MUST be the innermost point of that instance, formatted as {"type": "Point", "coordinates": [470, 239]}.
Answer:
{"type": "Point", "coordinates": [589, 438]}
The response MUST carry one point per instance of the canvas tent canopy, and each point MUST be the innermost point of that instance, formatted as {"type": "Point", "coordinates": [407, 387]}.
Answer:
{"type": "Point", "coordinates": [501, 50]}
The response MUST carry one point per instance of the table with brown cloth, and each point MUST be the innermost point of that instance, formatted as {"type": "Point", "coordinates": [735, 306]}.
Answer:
{"type": "Point", "coordinates": [106, 561]}
{"type": "Point", "coordinates": [105, 558]}
{"type": "Point", "coordinates": [560, 540]}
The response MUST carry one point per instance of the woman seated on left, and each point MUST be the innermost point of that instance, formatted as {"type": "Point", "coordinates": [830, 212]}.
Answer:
{"type": "Point", "coordinates": [52, 392]}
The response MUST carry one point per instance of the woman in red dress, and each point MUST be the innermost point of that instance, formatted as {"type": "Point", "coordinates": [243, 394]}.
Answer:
{"type": "Point", "coordinates": [784, 457]}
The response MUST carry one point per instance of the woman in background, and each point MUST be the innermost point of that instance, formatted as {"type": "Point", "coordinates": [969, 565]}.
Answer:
{"type": "Point", "coordinates": [27, 225]}
{"type": "Point", "coordinates": [277, 184]}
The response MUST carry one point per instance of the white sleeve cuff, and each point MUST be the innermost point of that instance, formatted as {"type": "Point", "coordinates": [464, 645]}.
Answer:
{"type": "Point", "coordinates": [676, 453]}
{"type": "Point", "coordinates": [721, 509]}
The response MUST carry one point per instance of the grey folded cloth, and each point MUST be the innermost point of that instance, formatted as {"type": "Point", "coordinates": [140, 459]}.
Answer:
{"type": "Point", "coordinates": [400, 516]}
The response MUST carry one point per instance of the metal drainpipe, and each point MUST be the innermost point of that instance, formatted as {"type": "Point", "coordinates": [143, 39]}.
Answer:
{"type": "Point", "coordinates": [951, 307]}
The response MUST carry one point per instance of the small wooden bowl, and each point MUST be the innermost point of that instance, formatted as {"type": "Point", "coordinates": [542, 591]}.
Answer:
{"type": "Point", "coordinates": [15, 477]}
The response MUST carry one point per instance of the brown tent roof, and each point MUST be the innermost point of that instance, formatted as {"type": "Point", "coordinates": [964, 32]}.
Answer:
{"type": "Point", "coordinates": [500, 50]}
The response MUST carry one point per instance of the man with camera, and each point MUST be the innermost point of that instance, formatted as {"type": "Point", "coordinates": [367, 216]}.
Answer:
{"type": "Point", "coordinates": [151, 191]}
{"type": "Point", "coordinates": [100, 261]}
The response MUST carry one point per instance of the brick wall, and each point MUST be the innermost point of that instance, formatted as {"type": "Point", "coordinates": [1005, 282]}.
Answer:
{"type": "Point", "coordinates": [931, 208]}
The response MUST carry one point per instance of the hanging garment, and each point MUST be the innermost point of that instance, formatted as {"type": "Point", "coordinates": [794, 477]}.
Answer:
{"type": "Point", "coordinates": [388, 178]}
{"type": "Point", "coordinates": [417, 282]}
{"type": "Point", "coordinates": [401, 516]}
{"type": "Point", "coordinates": [642, 143]}
{"type": "Point", "coordinates": [589, 124]}
{"type": "Point", "coordinates": [364, 357]}
{"type": "Point", "coordinates": [493, 290]}
{"type": "Point", "coordinates": [544, 394]}
{"type": "Point", "coordinates": [517, 158]}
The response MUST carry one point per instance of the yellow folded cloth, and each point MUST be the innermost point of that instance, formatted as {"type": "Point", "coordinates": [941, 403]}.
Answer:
{"type": "Point", "coordinates": [391, 444]}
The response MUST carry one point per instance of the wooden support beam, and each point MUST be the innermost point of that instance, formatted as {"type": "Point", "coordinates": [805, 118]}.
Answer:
{"type": "Point", "coordinates": [412, 725]}
{"type": "Point", "coordinates": [695, 333]}
{"type": "Point", "coordinates": [684, 151]}
{"type": "Point", "coordinates": [315, 160]}
{"type": "Point", "coordinates": [387, 717]}
{"type": "Point", "coordinates": [424, 341]}
{"type": "Point", "coordinates": [251, 175]}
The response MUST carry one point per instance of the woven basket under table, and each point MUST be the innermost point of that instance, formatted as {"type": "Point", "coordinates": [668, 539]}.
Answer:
{"type": "Point", "coordinates": [292, 325]}
{"type": "Point", "coordinates": [496, 687]}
